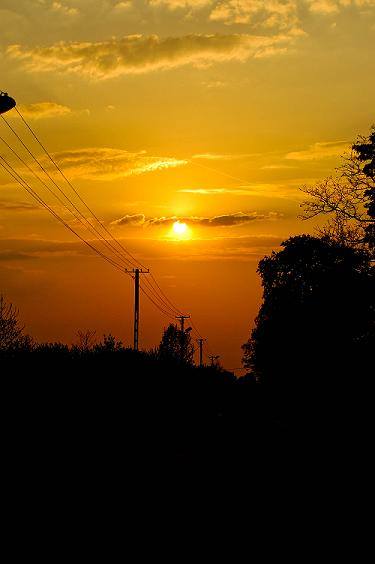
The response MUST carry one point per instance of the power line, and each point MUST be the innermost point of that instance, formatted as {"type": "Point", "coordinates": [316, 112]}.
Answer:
{"type": "Point", "coordinates": [163, 299]}
{"type": "Point", "coordinates": [168, 300]}
{"type": "Point", "coordinates": [153, 291]}
{"type": "Point", "coordinates": [75, 191]}
{"type": "Point", "coordinates": [87, 224]}
{"type": "Point", "coordinates": [40, 200]}
{"type": "Point", "coordinates": [162, 310]}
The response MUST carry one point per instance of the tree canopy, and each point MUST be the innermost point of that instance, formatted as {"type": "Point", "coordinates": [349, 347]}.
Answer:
{"type": "Point", "coordinates": [317, 316]}
{"type": "Point", "coordinates": [176, 345]}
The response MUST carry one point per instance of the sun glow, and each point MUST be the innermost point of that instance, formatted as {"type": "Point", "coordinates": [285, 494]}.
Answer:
{"type": "Point", "coordinates": [179, 228]}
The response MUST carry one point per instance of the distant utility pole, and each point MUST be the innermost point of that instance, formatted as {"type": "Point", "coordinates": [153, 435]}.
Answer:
{"type": "Point", "coordinates": [213, 358]}
{"type": "Point", "coordinates": [182, 345]}
{"type": "Point", "coordinates": [136, 272]}
{"type": "Point", "coordinates": [201, 341]}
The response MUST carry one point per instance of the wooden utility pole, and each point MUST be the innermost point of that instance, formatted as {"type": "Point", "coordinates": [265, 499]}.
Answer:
{"type": "Point", "coordinates": [182, 344]}
{"type": "Point", "coordinates": [136, 272]}
{"type": "Point", "coordinates": [201, 341]}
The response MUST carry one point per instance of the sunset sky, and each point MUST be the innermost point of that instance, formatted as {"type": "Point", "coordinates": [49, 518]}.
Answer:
{"type": "Point", "coordinates": [213, 113]}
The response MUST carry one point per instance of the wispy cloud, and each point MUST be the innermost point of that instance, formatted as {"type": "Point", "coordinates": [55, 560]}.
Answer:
{"type": "Point", "coordinates": [14, 255]}
{"type": "Point", "coordinates": [17, 206]}
{"type": "Point", "coordinates": [135, 219]}
{"type": "Point", "coordinates": [124, 5]}
{"type": "Point", "coordinates": [321, 150]}
{"type": "Point", "coordinates": [332, 7]}
{"type": "Point", "coordinates": [254, 190]}
{"type": "Point", "coordinates": [43, 110]}
{"type": "Point", "coordinates": [33, 248]}
{"type": "Point", "coordinates": [108, 163]}
{"type": "Point", "coordinates": [138, 53]}
{"type": "Point", "coordinates": [181, 4]}
{"type": "Point", "coordinates": [281, 14]}
{"type": "Point", "coordinates": [226, 220]}
{"type": "Point", "coordinates": [324, 7]}
{"type": "Point", "coordinates": [63, 9]}
{"type": "Point", "coordinates": [277, 167]}
{"type": "Point", "coordinates": [216, 157]}
{"type": "Point", "coordinates": [216, 191]}
{"type": "Point", "coordinates": [213, 84]}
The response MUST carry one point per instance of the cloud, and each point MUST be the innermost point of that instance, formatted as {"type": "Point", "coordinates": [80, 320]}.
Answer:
{"type": "Point", "coordinates": [136, 219]}
{"type": "Point", "coordinates": [211, 84]}
{"type": "Point", "coordinates": [121, 6]}
{"type": "Point", "coordinates": [255, 190]}
{"type": "Point", "coordinates": [215, 157]}
{"type": "Point", "coordinates": [64, 10]}
{"type": "Point", "coordinates": [33, 248]}
{"type": "Point", "coordinates": [181, 4]}
{"type": "Point", "coordinates": [332, 7]}
{"type": "Point", "coordinates": [235, 11]}
{"type": "Point", "coordinates": [277, 167]}
{"type": "Point", "coordinates": [216, 191]}
{"type": "Point", "coordinates": [43, 110]}
{"type": "Point", "coordinates": [320, 151]}
{"type": "Point", "coordinates": [324, 7]}
{"type": "Point", "coordinates": [109, 164]}
{"type": "Point", "coordinates": [17, 206]}
{"type": "Point", "coordinates": [231, 219]}
{"type": "Point", "coordinates": [227, 220]}
{"type": "Point", "coordinates": [281, 14]}
{"type": "Point", "coordinates": [14, 255]}
{"type": "Point", "coordinates": [138, 53]}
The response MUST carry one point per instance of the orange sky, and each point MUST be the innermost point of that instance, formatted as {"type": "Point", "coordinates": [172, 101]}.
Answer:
{"type": "Point", "coordinates": [211, 112]}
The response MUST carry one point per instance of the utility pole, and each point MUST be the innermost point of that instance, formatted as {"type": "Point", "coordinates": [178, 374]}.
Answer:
{"type": "Point", "coordinates": [182, 345]}
{"type": "Point", "coordinates": [201, 341]}
{"type": "Point", "coordinates": [136, 272]}
{"type": "Point", "coordinates": [213, 358]}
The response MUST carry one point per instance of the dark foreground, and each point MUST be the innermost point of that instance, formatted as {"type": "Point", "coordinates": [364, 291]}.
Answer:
{"type": "Point", "coordinates": [90, 437]}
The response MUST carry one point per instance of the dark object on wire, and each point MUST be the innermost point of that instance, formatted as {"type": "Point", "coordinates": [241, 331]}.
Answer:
{"type": "Point", "coordinates": [6, 102]}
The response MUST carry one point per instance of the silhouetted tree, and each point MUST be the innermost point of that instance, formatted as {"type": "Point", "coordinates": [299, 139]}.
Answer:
{"type": "Point", "coordinates": [176, 346]}
{"type": "Point", "coordinates": [109, 344]}
{"type": "Point", "coordinates": [365, 149]}
{"type": "Point", "coordinates": [86, 340]}
{"type": "Point", "coordinates": [11, 332]}
{"type": "Point", "coordinates": [317, 318]}
{"type": "Point", "coordinates": [349, 197]}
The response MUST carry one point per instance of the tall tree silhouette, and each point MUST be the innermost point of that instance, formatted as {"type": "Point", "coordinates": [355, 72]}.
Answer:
{"type": "Point", "coordinates": [318, 313]}
{"type": "Point", "coordinates": [175, 345]}
{"type": "Point", "coordinates": [365, 149]}
{"type": "Point", "coordinates": [348, 198]}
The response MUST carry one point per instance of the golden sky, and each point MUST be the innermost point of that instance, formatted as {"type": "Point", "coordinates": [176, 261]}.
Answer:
{"type": "Point", "coordinates": [209, 112]}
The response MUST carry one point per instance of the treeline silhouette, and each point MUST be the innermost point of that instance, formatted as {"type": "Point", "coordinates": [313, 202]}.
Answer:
{"type": "Point", "coordinates": [153, 404]}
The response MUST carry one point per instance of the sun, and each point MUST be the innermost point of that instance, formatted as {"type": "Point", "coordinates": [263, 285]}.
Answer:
{"type": "Point", "coordinates": [179, 228]}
